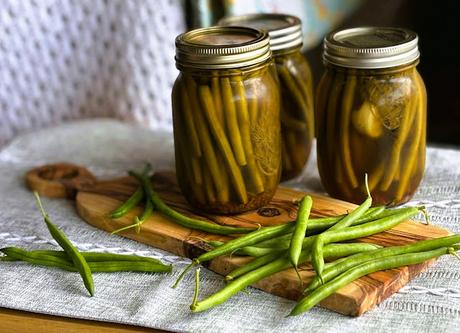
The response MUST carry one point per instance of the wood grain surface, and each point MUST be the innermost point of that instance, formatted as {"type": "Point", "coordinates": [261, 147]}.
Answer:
{"type": "Point", "coordinates": [94, 204]}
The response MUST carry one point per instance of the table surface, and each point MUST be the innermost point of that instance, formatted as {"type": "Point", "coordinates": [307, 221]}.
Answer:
{"type": "Point", "coordinates": [110, 148]}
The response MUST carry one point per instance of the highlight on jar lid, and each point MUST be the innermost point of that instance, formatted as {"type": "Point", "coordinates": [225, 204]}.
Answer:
{"type": "Point", "coordinates": [222, 48]}
{"type": "Point", "coordinates": [285, 31]}
{"type": "Point", "coordinates": [371, 47]}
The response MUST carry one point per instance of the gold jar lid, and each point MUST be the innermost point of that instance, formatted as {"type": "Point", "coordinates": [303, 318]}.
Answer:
{"type": "Point", "coordinates": [222, 48]}
{"type": "Point", "coordinates": [285, 31]}
{"type": "Point", "coordinates": [371, 47]}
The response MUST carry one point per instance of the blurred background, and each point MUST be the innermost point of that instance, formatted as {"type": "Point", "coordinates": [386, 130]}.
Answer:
{"type": "Point", "coordinates": [62, 60]}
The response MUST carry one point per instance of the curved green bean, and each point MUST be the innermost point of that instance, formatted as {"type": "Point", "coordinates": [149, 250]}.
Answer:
{"type": "Point", "coordinates": [183, 220]}
{"type": "Point", "coordinates": [76, 257]}
{"type": "Point", "coordinates": [355, 273]}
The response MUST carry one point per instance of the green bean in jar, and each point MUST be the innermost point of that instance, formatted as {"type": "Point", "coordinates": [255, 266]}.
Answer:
{"type": "Point", "coordinates": [371, 115]}
{"type": "Point", "coordinates": [296, 85]}
{"type": "Point", "coordinates": [226, 119]}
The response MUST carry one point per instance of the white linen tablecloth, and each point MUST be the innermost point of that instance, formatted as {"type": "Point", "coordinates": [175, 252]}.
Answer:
{"type": "Point", "coordinates": [431, 302]}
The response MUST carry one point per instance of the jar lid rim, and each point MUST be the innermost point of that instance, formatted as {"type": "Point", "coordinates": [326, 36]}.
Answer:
{"type": "Point", "coordinates": [285, 31]}
{"type": "Point", "coordinates": [222, 48]}
{"type": "Point", "coordinates": [371, 47]}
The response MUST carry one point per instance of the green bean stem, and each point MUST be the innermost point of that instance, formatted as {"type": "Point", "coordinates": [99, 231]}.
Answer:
{"type": "Point", "coordinates": [355, 273]}
{"type": "Point", "coordinates": [233, 287]}
{"type": "Point", "coordinates": [76, 257]}
{"type": "Point", "coordinates": [425, 245]}
{"type": "Point", "coordinates": [183, 220]}
{"type": "Point", "coordinates": [221, 139]}
{"type": "Point", "coordinates": [299, 230]}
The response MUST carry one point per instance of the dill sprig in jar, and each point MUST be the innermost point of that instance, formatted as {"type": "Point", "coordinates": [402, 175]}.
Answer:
{"type": "Point", "coordinates": [296, 84]}
{"type": "Point", "coordinates": [371, 115]}
{"type": "Point", "coordinates": [226, 119]}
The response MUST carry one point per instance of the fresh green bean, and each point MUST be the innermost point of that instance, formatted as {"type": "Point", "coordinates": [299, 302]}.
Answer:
{"type": "Point", "coordinates": [132, 201]}
{"type": "Point", "coordinates": [89, 256]}
{"type": "Point", "coordinates": [129, 204]}
{"type": "Point", "coordinates": [41, 258]}
{"type": "Point", "coordinates": [425, 245]}
{"type": "Point", "coordinates": [183, 220]}
{"type": "Point", "coordinates": [233, 287]}
{"type": "Point", "coordinates": [355, 273]}
{"type": "Point", "coordinates": [299, 230]}
{"type": "Point", "coordinates": [251, 251]}
{"type": "Point", "coordinates": [148, 211]}
{"type": "Point", "coordinates": [349, 233]}
{"type": "Point", "coordinates": [76, 257]}
{"type": "Point", "coordinates": [246, 240]}
{"type": "Point", "coordinates": [253, 264]}
{"type": "Point", "coordinates": [323, 223]}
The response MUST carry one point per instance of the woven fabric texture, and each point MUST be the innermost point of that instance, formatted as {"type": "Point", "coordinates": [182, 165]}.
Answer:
{"type": "Point", "coordinates": [72, 59]}
{"type": "Point", "coordinates": [429, 303]}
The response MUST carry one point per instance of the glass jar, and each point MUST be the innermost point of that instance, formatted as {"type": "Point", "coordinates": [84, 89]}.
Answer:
{"type": "Point", "coordinates": [371, 115]}
{"type": "Point", "coordinates": [226, 119]}
{"type": "Point", "coordinates": [296, 84]}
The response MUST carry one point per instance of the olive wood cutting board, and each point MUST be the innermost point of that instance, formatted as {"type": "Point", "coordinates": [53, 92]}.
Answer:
{"type": "Point", "coordinates": [95, 199]}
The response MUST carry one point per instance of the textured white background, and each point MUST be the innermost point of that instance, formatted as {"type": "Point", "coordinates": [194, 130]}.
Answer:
{"type": "Point", "coordinates": [430, 303]}
{"type": "Point", "coordinates": [72, 59]}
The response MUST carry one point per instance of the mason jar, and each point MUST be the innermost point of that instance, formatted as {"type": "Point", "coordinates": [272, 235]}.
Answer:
{"type": "Point", "coordinates": [296, 84]}
{"type": "Point", "coordinates": [226, 119]}
{"type": "Point", "coordinates": [371, 115]}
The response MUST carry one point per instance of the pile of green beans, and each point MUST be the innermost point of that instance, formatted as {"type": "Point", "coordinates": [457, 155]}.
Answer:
{"type": "Point", "coordinates": [227, 138]}
{"type": "Point", "coordinates": [374, 122]}
{"type": "Point", "coordinates": [296, 115]}
{"type": "Point", "coordinates": [84, 263]}
{"type": "Point", "coordinates": [281, 247]}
